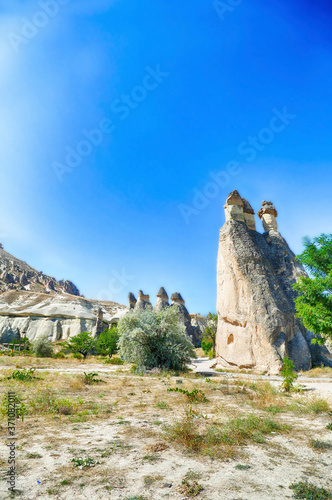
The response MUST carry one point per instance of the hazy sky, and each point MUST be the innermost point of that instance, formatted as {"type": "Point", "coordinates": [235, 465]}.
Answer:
{"type": "Point", "coordinates": [125, 124]}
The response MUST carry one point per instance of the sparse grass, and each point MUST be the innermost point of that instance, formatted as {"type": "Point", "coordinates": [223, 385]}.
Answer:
{"type": "Point", "coordinates": [320, 446]}
{"type": "Point", "coordinates": [310, 492]}
{"type": "Point", "coordinates": [322, 371]}
{"type": "Point", "coordinates": [162, 405]}
{"type": "Point", "coordinates": [114, 361]}
{"type": "Point", "coordinates": [221, 441]}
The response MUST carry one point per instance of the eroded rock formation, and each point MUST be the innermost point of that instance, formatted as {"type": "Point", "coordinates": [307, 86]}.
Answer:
{"type": "Point", "coordinates": [257, 325]}
{"type": "Point", "coordinates": [58, 316]}
{"type": "Point", "coordinates": [16, 274]}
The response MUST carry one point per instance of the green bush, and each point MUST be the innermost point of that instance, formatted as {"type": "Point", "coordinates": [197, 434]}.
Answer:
{"type": "Point", "coordinates": [150, 339]}
{"type": "Point", "coordinates": [42, 347]}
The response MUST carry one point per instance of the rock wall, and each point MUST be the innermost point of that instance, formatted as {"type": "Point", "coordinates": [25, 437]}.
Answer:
{"type": "Point", "coordinates": [257, 325]}
{"type": "Point", "coordinates": [59, 317]}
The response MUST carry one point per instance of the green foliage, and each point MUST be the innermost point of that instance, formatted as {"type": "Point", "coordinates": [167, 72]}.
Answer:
{"type": "Point", "coordinates": [209, 337]}
{"type": "Point", "coordinates": [288, 373]}
{"type": "Point", "coordinates": [150, 339]}
{"type": "Point", "coordinates": [83, 343]}
{"type": "Point", "coordinates": [42, 347]}
{"type": "Point", "coordinates": [194, 396]}
{"type": "Point", "coordinates": [91, 378]}
{"type": "Point", "coordinates": [23, 375]}
{"type": "Point", "coordinates": [308, 491]}
{"type": "Point", "coordinates": [6, 406]}
{"type": "Point", "coordinates": [107, 342]}
{"type": "Point", "coordinates": [314, 304]}
{"type": "Point", "coordinates": [84, 463]}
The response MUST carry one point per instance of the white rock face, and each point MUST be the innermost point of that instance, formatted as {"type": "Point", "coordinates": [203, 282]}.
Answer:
{"type": "Point", "coordinates": [60, 317]}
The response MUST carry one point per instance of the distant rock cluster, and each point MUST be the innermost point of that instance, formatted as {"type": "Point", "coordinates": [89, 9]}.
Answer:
{"type": "Point", "coordinates": [257, 323]}
{"type": "Point", "coordinates": [195, 324]}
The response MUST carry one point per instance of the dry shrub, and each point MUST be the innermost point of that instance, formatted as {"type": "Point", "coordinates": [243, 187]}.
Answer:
{"type": "Point", "coordinates": [154, 448]}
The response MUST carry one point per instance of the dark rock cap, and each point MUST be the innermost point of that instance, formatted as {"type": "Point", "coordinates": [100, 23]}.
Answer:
{"type": "Point", "coordinates": [142, 296]}
{"type": "Point", "coordinates": [177, 297]}
{"type": "Point", "coordinates": [162, 293]}
{"type": "Point", "coordinates": [247, 208]}
{"type": "Point", "coordinates": [267, 208]}
{"type": "Point", "coordinates": [234, 198]}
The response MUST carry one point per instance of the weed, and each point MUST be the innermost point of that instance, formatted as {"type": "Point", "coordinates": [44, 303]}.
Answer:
{"type": "Point", "coordinates": [242, 467]}
{"type": "Point", "coordinates": [195, 396]}
{"type": "Point", "coordinates": [84, 463]}
{"type": "Point", "coordinates": [191, 488]}
{"type": "Point", "coordinates": [91, 378]}
{"type": "Point", "coordinates": [310, 492]}
{"type": "Point", "coordinates": [34, 455]}
{"type": "Point", "coordinates": [66, 482]}
{"type": "Point", "coordinates": [23, 375]}
{"type": "Point", "coordinates": [329, 427]}
{"type": "Point", "coordinates": [288, 373]}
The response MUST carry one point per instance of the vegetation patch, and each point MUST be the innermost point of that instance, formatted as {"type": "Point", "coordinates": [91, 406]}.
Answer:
{"type": "Point", "coordinates": [308, 491]}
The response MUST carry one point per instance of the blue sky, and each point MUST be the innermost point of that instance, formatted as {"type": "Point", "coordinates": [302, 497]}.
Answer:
{"type": "Point", "coordinates": [177, 90]}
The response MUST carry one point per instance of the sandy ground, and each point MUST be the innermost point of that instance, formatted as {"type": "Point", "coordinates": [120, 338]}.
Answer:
{"type": "Point", "coordinates": [136, 458]}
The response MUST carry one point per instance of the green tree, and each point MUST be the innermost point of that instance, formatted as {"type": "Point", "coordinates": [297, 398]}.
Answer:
{"type": "Point", "coordinates": [107, 341]}
{"type": "Point", "coordinates": [150, 339]}
{"type": "Point", "coordinates": [83, 343]}
{"type": "Point", "coordinates": [209, 336]}
{"type": "Point", "coordinates": [314, 303]}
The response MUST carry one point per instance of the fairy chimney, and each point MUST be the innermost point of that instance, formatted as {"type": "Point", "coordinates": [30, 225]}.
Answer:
{"type": "Point", "coordinates": [234, 207]}
{"type": "Point", "coordinates": [162, 300]}
{"type": "Point", "coordinates": [143, 301]}
{"type": "Point", "coordinates": [268, 214]}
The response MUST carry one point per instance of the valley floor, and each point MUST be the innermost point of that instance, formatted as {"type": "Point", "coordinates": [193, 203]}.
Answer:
{"type": "Point", "coordinates": [239, 438]}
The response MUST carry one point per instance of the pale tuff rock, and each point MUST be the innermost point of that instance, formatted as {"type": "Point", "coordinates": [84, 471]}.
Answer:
{"type": "Point", "coordinates": [143, 301]}
{"type": "Point", "coordinates": [59, 316]}
{"type": "Point", "coordinates": [162, 300]}
{"type": "Point", "coordinates": [257, 325]}
{"type": "Point", "coordinates": [185, 318]}
{"type": "Point", "coordinates": [199, 324]}
{"type": "Point", "coordinates": [234, 207]}
{"type": "Point", "coordinates": [249, 215]}
{"type": "Point", "coordinates": [269, 215]}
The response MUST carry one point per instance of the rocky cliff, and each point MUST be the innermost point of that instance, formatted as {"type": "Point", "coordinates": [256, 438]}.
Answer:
{"type": "Point", "coordinates": [257, 325]}
{"type": "Point", "coordinates": [58, 316]}
{"type": "Point", "coordinates": [16, 274]}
